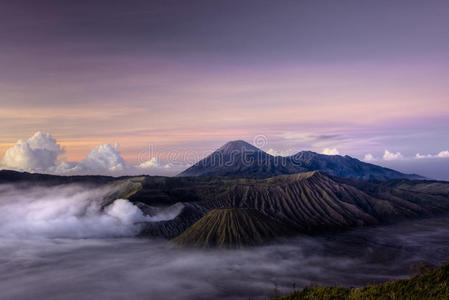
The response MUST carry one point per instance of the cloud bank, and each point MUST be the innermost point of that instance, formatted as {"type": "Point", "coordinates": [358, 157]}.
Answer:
{"type": "Point", "coordinates": [391, 156]}
{"type": "Point", "coordinates": [442, 154]}
{"type": "Point", "coordinates": [41, 153]}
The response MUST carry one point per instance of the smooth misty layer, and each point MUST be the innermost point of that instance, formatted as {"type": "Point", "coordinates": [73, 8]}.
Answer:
{"type": "Point", "coordinates": [153, 269]}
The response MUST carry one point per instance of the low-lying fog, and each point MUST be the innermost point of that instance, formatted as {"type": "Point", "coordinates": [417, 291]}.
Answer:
{"type": "Point", "coordinates": [57, 243]}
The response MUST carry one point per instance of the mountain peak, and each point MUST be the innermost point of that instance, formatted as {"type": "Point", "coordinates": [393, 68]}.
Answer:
{"type": "Point", "coordinates": [238, 146]}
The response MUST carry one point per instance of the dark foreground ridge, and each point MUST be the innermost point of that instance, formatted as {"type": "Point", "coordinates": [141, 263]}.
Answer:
{"type": "Point", "coordinates": [430, 285]}
{"type": "Point", "coordinates": [240, 159]}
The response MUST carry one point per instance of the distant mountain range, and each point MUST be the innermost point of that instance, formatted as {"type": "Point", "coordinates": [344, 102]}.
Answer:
{"type": "Point", "coordinates": [241, 159]}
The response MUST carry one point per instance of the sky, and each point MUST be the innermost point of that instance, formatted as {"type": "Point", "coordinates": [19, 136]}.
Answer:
{"type": "Point", "coordinates": [112, 84]}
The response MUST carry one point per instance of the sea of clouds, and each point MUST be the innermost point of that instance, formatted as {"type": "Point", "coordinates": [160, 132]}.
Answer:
{"type": "Point", "coordinates": [69, 211]}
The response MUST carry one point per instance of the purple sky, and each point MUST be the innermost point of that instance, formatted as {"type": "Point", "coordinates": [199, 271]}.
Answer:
{"type": "Point", "coordinates": [361, 77]}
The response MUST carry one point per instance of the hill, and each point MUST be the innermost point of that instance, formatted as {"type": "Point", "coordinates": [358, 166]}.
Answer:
{"type": "Point", "coordinates": [240, 159]}
{"type": "Point", "coordinates": [432, 284]}
{"type": "Point", "coordinates": [232, 228]}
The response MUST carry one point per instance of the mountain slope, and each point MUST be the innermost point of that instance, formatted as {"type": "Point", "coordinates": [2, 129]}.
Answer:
{"type": "Point", "coordinates": [169, 229]}
{"type": "Point", "coordinates": [240, 159]}
{"type": "Point", "coordinates": [234, 159]}
{"type": "Point", "coordinates": [232, 228]}
{"type": "Point", "coordinates": [308, 202]}
{"type": "Point", "coordinates": [430, 285]}
{"type": "Point", "coordinates": [314, 202]}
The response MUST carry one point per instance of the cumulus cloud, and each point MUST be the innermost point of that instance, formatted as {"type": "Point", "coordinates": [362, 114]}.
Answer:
{"type": "Point", "coordinates": [104, 157]}
{"type": "Point", "coordinates": [39, 153]}
{"type": "Point", "coordinates": [420, 156]}
{"type": "Point", "coordinates": [151, 163]}
{"type": "Point", "coordinates": [154, 163]}
{"type": "Point", "coordinates": [392, 156]}
{"type": "Point", "coordinates": [443, 154]}
{"type": "Point", "coordinates": [329, 151]}
{"type": "Point", "coordinates": [368, 157]}
{"type": "Point", "coordinates": [274, 152]}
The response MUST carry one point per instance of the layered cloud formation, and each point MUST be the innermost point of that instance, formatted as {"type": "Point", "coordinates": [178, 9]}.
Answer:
{"type": "Point", "coordinates": [41, 153]}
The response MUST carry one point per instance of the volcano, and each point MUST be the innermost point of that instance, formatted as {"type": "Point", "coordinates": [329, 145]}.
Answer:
{"type": "Point", "coordinates": [241, 159]}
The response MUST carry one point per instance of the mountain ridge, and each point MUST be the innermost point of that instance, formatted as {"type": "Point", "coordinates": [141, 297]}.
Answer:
{"type": "Point", "coordinates": [308, 203]}
{"type": "Point", "coordinates": [241, 159]}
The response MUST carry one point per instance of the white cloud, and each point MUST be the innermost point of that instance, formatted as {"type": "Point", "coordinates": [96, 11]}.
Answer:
{"type": "Point", "coordinates": [71, 211]}
{"type": "Point", "coordinates": [104, 157]}
{"type": "Point", "coordinates": [40, 154]}
{"type": "Point", "coordinates": [392, 156]}
{"type": "Point", "coordinates": [37, 154]}
{"type": "Point", "coordinates": [329, 151]}
{"type": "Point", "coordinates": [273, 152]}
{"type": "Point", "coordinates": [420, 156]}
{"type": "Point", "coordinates": [151, 163]}
{"type": "Point", "coordinates": [368, 157]}
{"type": "Point", "coordinates": [443, 154]}
{"type": "Point", "coordinates": [154, 163]}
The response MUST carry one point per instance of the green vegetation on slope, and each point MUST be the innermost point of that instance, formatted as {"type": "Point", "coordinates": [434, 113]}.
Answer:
{"type": "Point", "coordinates": [430, 285]}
